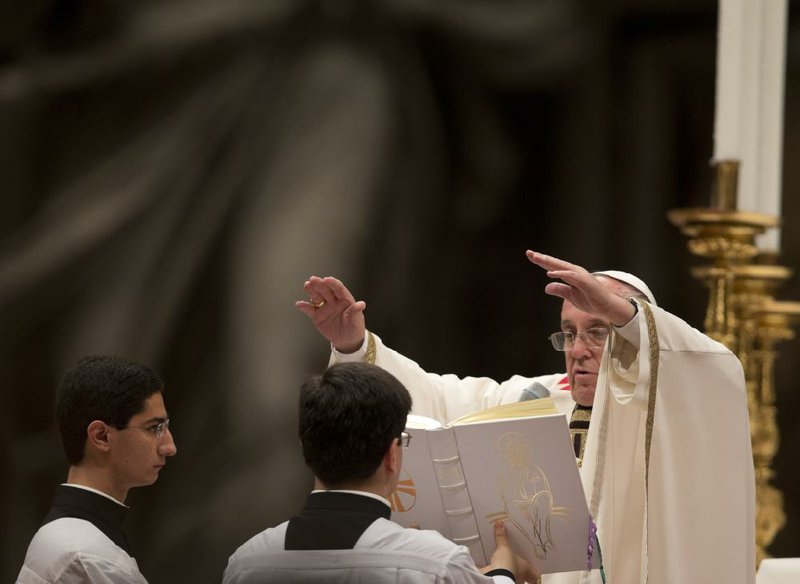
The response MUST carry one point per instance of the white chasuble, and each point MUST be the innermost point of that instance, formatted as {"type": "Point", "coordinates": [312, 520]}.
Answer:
{"type": "Point", "coordinates": [668, 470]}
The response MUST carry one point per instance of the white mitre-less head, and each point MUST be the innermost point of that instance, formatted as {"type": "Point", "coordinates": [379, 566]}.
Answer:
{"type": "Point", "coordinates": [630, 280]}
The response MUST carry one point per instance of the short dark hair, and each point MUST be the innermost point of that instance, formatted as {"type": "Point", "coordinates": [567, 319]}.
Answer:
{"type": "Point", "coordinates": [100, 387]}
{"type": "Point", "coordinates": [349, 416]}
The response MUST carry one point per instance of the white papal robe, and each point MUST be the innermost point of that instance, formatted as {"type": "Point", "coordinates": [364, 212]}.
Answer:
{"type": "Point", "coordinates": [668, 468]}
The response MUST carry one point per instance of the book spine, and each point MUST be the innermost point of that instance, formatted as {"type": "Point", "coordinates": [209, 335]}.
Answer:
{"type": "Point", "coordinates": [455, 497]}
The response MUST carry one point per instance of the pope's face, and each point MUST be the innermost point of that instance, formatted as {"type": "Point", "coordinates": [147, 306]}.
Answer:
{"type": "Point", "coordinates": [583, 361]}
{"type": "Point", "coordinates": [138, 454]}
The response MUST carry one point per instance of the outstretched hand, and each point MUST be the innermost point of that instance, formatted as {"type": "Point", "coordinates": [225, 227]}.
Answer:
{"type": "Point", "coordinates": [583, 290]}
{"type": "Point", "coordinates": [504, 557]}
{"type": "Point", "coordinates": [335, 312]}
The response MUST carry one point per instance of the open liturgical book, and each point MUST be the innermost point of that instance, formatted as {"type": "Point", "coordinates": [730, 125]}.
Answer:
{"type": "Point", "coordinates": [514, 462]}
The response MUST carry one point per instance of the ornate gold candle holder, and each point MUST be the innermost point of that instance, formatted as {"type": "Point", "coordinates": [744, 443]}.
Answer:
{"type": "Point", "coordinates": [743, 314]}
{"type": "Point", "coordinates": [728, 239]}
{"type": "Point", "coordinates": [754, 285]}
{"type": "Point", "coordinates": [774, 321]}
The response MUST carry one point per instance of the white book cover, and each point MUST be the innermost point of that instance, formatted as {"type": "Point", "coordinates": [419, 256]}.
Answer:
{"type": "Point", "coordinates": [460, 479]}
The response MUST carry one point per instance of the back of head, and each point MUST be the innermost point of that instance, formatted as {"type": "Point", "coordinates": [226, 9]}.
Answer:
{"type": "Point", "coordinates": [349, 417]}
{"type": "Point", "coordinates": [103, 388]}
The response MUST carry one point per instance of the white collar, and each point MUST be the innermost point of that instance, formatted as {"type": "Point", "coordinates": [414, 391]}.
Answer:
{"type": "Point", "coordinates": [101, 493]}
{"type": "Point", "coordinates": [364, 493]}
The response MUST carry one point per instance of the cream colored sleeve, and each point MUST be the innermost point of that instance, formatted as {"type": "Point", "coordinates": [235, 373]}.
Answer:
{"type": "Point", "coordinates": [441, 397]}
{"type": "Point", "coordinates": [357, 356]}
{"type": "Point", "coordinates": [624, 345]}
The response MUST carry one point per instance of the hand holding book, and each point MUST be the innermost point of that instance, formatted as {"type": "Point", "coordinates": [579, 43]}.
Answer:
{"type": "Point", "coordinates": [504, 557]}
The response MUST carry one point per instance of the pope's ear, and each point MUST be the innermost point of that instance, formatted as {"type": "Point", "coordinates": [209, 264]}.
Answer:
{"type": "Point", "coordinates": [97, 436]}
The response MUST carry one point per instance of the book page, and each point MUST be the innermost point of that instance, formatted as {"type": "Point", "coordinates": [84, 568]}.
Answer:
{"type": "Point", "coordinates": [523, 409]}
{"type": "Point", "coordinates": [524, 472]}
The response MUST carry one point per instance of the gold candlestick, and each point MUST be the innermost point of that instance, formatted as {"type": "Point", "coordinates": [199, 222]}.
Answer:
{"type": "Point", "coordinates": [728, 239]}
{"type": "Point", "coordinates": [754, 285]}
{"type": "Point", "coordinates": [773, 324]}
{"type": "Point", "coordinates": [743, 315]}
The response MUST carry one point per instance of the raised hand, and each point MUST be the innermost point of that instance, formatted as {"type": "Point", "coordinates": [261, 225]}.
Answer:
{"type": "Point", "coordinates": [583, 290]}
{"type": "Point", "coordinates": [335, 312]}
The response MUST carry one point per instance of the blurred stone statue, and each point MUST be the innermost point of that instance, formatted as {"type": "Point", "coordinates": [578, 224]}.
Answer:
{"type": "Point", "coordinates": [172, 170]}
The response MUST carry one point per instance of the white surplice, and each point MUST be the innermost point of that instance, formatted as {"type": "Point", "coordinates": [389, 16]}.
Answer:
{"type": "Point", "coordinates": [384, 552]}
{"type": "Point", "coordinates": [74, 551]}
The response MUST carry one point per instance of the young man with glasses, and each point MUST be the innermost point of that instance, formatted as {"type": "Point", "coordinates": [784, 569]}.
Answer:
{"type": "Point", "coordinates": [115, 432]}
{"type": "Point", "coordinates": [351, 427]}
{"type": "Point", "coordinates": [658, 413]}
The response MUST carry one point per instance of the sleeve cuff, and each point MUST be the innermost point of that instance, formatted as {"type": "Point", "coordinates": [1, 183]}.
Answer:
{"type": "Point", "coordinates": [357, 356]}
{"type": "Point", "coordinates": [630, 330]}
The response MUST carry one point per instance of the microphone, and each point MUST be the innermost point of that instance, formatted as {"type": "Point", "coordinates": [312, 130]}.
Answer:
{"type": "Point", "coordinates": [534, 391]}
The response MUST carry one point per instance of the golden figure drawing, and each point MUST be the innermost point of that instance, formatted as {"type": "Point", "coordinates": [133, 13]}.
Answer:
{"type": "Point", "coordinates": [525, 491]}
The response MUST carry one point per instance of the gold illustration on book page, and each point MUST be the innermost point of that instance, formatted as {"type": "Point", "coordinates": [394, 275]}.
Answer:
{"type": "Point", "coordinates": [405, 494]}
{"type": "Point", "coordinates": [528, 502]}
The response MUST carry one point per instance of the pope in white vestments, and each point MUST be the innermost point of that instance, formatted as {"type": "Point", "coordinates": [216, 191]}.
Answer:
{"type": "Point", "coordinates": [666, 465]}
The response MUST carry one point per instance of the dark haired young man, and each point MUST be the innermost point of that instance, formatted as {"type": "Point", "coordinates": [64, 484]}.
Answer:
{"type": "Point", "coordinates": [351, 427]}
{"type": "Point", "coordinates": [115, 432]}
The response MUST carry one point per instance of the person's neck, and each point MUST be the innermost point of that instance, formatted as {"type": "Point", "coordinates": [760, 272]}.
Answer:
{"type": "Point", "coordinates": [97, 479]}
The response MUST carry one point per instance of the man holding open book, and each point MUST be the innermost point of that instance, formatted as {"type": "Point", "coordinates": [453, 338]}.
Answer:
{"type": "Point", "coordinates": [658, 411]}
{"type": "Point", "coordinates": [351, 427]}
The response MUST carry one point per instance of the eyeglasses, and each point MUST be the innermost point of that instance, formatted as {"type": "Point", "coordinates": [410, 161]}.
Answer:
{"type": "Point", "coordinates": [157, 430]}
{"type": "Point", "coordinates": [593, 338]}
{"type": "Point", "coordinates": [405, 439]}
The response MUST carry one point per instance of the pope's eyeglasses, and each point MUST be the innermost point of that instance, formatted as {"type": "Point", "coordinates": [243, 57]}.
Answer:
{"type": "Point", "coordinates": [593, 338]}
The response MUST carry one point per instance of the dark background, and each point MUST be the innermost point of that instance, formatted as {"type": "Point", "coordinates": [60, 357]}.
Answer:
{"type": "Point", "coordinates": [173, 171]}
